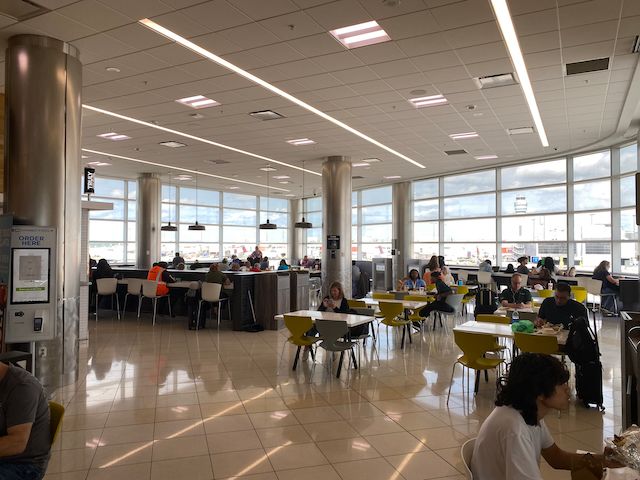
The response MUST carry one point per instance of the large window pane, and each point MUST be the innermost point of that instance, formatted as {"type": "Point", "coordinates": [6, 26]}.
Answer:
{"type": "Point", "coordinates": [483, 230]}
{"type": "Point", "coordinates": [314, 235]}
{"type": "Point", "coordinates": [425, 251]}
{"type": "Point", "coordinates": [211, 233]}
{"type": "Point", "coordinates": [206, 215]}
{"type": "Point", "coordinates": [425, 210]}
{"type": "Point", "coordinates": [587, 256]}
{"type": "Point", "coordinates": [629, 158]}
{"type": "Point", "coordinates": [354, 199]}
{"type": "Point", "coordinates": [169, 194]}
{"type": "Point", "coordinates": [110, 251]}
{"type": "Point", "coordinates": [116, 214]}
{"type": "Point", "coordinates": [595, 165]}
{"type": "Point", "coordinates": [535, 228]}
{"type": "Point", "coordinates": [376, 233]}
{"type": "Point", "coordinates": [592, 226]}
{"type": "Point", "coordinates": [131, 251]}
{"type": "Point", "coordinates": [106, 231]}
{"type": "Point", "coordinates": [354, 216]}
{"type": "Point", "coordinates": [242, 250]}
{"type": "Point", "coordinates": [199, 251]}
{"type": "Point", "coordinates": [167, 251]}
{"type": "Point", "coordinates": [535, 251]}
{"type": "Point", "coordinates": [627, 191]}
{"type": "Point", "coordinates": [314, 204]}
{"type": "Point", "coordinates": [273, 236]}
{"type": "Point", "coordinates": [471, 206]}
{"type": "Point", "coordinates": [132, 190]}
{"type": "Point", "coordinates": [535, 200]}
{"type": "Point", "coordinates": [237, 200]}
{"type": "Point", "coordinates": [239, 217]}
{"type": "Point", "coordinates": [168, 212]}
{"type": "Point", "coordinates": [543, 173]}
{"type": "Point", "coordinates": [280, 219]}
{"type": "Point", "coordinates": [314, 251]}
{"type": "Point", "coordinates": [592, 195]}
{"type": "Point", "coordinates": [470, 183]}
{"type": "Point", "coordinates": [192, 196]}
{"type": "Point", "coordinates": [425, 232]}
{"type": "Point", "coordinates": [381, 250]}
{"type": "Point", "coordinates": [107, 187]}
{"type": "Point", "coordinates": [167, 237]}
{"type": "Point", "coordinates": [239, 235]}
{"type": "Point", "coordinates": [274, 204]}
{"type": "Point", "coordinates": [628, 227]}
{"type": "Point", "coordinates": [131, 231]}
{"type": "Point", "coordinates": [377, 214]}
{"type": "Point", "coordinates": [375, 196]}
{"type": "Point", "coordinates": [469, 253]}
{"type": "Point", "coordinates": [629, 258]}
{"type": "Point", "coordinates": [275, 253]}
{"type": "Point", "coordinates": [425, 189]}
{"type": "Point", "coordinates": [315, 219]}
{"type": "Point", "coordinates": [131, 210]}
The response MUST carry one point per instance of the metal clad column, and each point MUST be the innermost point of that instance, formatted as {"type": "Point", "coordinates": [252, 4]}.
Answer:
{"type": "Point", "coordinates": [295, 234]}
{"type": "Point", "coordinates": [336, 220]}
{"type": "Point", "coordinates": [149, 201]}
{"type": "Point", "coordinates": [43, 112]}
{"type": "Point", "coordinates": [401, 217]}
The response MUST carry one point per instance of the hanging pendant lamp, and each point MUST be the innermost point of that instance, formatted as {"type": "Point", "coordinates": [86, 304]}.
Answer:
{"type": "Point", "coordinates": [268, 225]}
{"type": "Point", "coordinates": [169, 228]}
{"type": "Point", "coordinates": [303, 223]}
{"type": "Point", "coordinates": [196, 226]}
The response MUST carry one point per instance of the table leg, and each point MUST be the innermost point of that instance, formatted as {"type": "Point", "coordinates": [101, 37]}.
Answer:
{"type": "Point", "coordinates": [477, 384]}
{"type": "Point", "coordinates": [340, 364]}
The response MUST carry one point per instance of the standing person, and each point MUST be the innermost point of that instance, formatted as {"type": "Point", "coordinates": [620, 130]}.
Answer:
{"type": "Point", "coordinates": [256, 256]}
{"type": "Point", "coordinates": [177, 260]}
{"type": "Point", "coordinates": [414, 282]}
{"type": "Point", "coordinates": [443, 291]}
{"type": "Point", "coordinates": [25, 432]}
{"type": "Point", "coordinates": [561, 308]}
{"type": "Point", "coordinates": [609, 285]}
{"type": "Point", "coordinates": [515, 296]}
{"type": "Point", "coordinates": [355, 277]}
{"type": "Point", "coordinates": [522, 268]}
{"type": "Point", "coordinates": [432, 266]}
{"type": "Point", "coordinates": [514, 436]}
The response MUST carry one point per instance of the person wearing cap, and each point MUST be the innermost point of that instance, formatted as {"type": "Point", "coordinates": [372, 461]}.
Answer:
{"type": "Point", "coordinates": [442, 291]}
{"type": "Point", "coordinates": [235, 259]}
{"type": "Point", "coordinates": [522, 268]}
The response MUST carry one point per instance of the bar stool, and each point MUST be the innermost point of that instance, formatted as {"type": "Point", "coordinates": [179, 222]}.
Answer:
{"type": "Point", "coordinates": [107, 287]}
{"type": "Point", "coordinates": [150, 290]}
{"type": "Point", "coordinates": [134, 287]}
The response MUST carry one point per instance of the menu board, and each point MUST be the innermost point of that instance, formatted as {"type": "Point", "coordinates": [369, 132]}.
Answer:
{"type": "Point", "coordinates": [30, 275]}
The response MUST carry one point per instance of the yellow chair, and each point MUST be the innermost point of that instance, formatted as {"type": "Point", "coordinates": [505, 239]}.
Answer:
{"type": "Point", "coordinates": [545, 293]}
{"type": "Point", "coordinates": [382, 296]}
{"type": "Point", "coordinates": [579, 295]}
{"type": "Point", "coordinates": [356, 303]}
{"type": "Point", "coordinates": [529, 342]}
{"type": "Point", "coordinates": [463, 290]}
{"type": "Point", "coordinates": [576, 287]}
{"type": "Point", "coordinates": [493, 319]}
{"type": "Point", "coordinates": [298, 326]}
{"type": "Point", "coordinates": [390, 313]}
{"type": "Point", "coordinates": [473, 346]}
{"type": "Point", "coordinates": [56, 412]}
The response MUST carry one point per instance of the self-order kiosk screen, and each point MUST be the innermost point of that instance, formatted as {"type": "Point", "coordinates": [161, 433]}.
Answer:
{"type": "Point", "coordinates": [30, 275]}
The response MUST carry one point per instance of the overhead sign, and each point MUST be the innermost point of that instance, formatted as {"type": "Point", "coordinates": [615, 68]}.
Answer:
{"type": "Point", "coordinates": [89, 180]}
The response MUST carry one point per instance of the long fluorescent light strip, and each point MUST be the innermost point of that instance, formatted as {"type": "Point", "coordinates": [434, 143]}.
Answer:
{"type": "Point", "coordinates": [193, 137]}
{"type": "Point", "coordinates": [198, 172]}
{"type": "Point", "coordinates": [508, 31]}
{"type": "Point", "coordinates": [205, 53]}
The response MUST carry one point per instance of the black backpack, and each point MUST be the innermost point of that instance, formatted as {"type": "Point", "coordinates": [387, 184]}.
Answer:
{"type": "Point", "coordinates": [582, 343]}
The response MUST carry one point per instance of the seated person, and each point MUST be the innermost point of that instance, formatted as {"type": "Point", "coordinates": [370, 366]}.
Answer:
{"type": "Point", "coordinates": [334, 302]}
{"type": "Point", "coordinates": [235, 259]}
{"type": "Point", "coordinates": [543, 280]}
{"type": "Point", "coordinates": [306, 262]}
{"type": "Point", "coordinates": [283, 265]}
{"type": "Point", "coordinates": [571, 272]}
{"type": "Point", "coordinates": [610, 285]}
{"type": "Point", "coordinates": [522, 268]}
{"type": "Point", "coordinates": [255, 268]}
{"type": "Point", "coordinates": [561, 308]}
{"type": "Point", "coordinates": [159, 273]}
{"type": "Point", "coordinates": [235, 267]}
{"type": "Point", "coordinates": [181, 266]}
{"type": "Point", "coordinates": [264, 264]}
{"type": "Point", "coordinates": [432, 266]}
{"type": "Point", "coordinates": [177, 260]}
{"type": "Point", "coordinates": [25, 434]}
{"type": "Point", "coordinates": [514, 435]}
{"type": "Point", "coordinates": [485, 266]}
{"type": "Point", "coordinates": [216, 276]}
{"type": "Point", "coordinates": [443, 291]}
{"type": "Point", "coordinates": [550, 265]}
{"type": "Point", "coordinates": [414, 282]}
{"type": "Point", "coordinates": [510, 269]}
{"type": "Point", "coordinates": [246, 267]}
{"type": "Point", "coordinates": [446, 276]}
{"type": "Point", "coordinates": [224, 265]}
{"type": "Point", "coordinates": [317, 265]}
{"type": "Point", "coordinates": [515, 296]}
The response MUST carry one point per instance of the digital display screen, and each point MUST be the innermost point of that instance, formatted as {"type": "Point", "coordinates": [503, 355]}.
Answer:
{"type": "Point", "coordinates": [30, 275]}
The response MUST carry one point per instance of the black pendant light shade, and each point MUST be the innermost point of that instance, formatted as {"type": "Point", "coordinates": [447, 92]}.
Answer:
{"type": "Point", "coordinates": [196, 226]}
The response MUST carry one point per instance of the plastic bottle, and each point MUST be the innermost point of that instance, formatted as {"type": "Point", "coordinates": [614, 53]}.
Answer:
{"type": "Point", "coordinates": [515, 317]}
{"type": "Point", "coordinates": [550, 286]}
{"type": "Point", "coordinates": [460, 283]}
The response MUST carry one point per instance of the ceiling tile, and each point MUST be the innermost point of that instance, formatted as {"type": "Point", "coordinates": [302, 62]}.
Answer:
{"type": "Point", "coordinates": [395, 68]}
{"type": "Point", "coordinates": [259, 9]}
{"type": "Point", "coordinates": [59, 26]}
{"type": "Point", "coordinates": [137, 36]}
{"type": "Point", "coordinates": [139, 9]}
{"type": "Point", "coordinates": [493, 67]}
{"type": "Point", "coordinates": [293, 25]}
{"type": "Point", "coordinates": [315, 45]}
{"type": "Point", "coordinates": [339, 14]}
{"type": "Point", "coordinates": [437, 61]}
{"type": "Point", "coordinates": [300, 68]}
{"type": "Point", "coordinates": [594, 11]}
{"type": "Point", "coordinates": [588, 52]}
{"type": "Point", "coordinates": [217, 15]}
{"type": "Point", "coordinates": [277, 53]}
{"type": "Point", "coordinates": [103, 45]}
{"type": "Point", "coordinates": [181, 24]}
{"type": "Point", "coordinates": [381, 52]}
{"type": "Point", "coordinates": [249, 36]}
{"type": "Point", "coordinates": [343, 61]}
{"type": "Point", "coordinates": [425, 44]}
{"type": "Point", "coordinates": [412, 25]}
{"type": "Point", "coordinates": [452, 16]}
{"type": "Point", "coordinates": [142, 62]}
{"type": "Point", "coordinates": [534, 23]}
{"type": "Point", "coordinates": [174, 54]}
{"type": "Point", "coordinates": [416, 80]}
{"type": "Point", "coordinates": [94, 15]}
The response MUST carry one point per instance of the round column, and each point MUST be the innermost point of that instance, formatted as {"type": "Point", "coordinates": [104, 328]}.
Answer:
{"type": "Point", "coordinates": [401, 226]}
{"type": "Point", "coordinates": [336, 221]}
{"type": "Point", "coordinates": [295, 234]}
{"type": "Point", "coordinates": [43, 112]}
{"type": "Point", "coordinates": [149, 203]}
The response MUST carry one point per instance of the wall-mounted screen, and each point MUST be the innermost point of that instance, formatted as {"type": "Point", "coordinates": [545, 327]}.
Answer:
{"type": "Point", "coordinates": [30, 281]}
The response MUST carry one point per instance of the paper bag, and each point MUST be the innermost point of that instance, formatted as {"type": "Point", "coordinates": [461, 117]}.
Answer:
{"type": "Point", "coordinates": [586, 467]}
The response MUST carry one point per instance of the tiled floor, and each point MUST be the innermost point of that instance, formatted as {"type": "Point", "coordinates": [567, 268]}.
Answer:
{"type": "Point", "coordinates": [169, 403]}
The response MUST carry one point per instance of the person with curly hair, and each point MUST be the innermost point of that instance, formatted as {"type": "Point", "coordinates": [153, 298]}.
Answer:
{"type": "Point", "coordinates": [514, 436]}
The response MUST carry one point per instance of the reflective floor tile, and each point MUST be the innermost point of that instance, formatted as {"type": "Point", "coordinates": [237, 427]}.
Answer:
{"type": "Point", "coordinates": [180, 447]}
{"type": "Point", "coordinates": [295, 456]}
{"type": "Point", "coordinates": [192, 468]}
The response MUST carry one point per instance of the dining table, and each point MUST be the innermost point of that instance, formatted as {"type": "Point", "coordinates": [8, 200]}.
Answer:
{"type": "Point", "coordinates": [407, 305]}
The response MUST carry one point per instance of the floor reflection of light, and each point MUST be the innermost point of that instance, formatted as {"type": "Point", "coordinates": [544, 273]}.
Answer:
{"type": "Point", "coordinates": [258, 462]}
{"type": "Point", "coordinates": [363, 447]}
{"type": "Point", "coordinates": [184, 430]}
{"type": "Point", "coordinates": [406, 460]}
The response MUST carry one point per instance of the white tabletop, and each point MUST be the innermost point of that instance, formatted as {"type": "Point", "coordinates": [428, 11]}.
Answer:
{"type": "Point", "coordinates": [125, 281]}
{"type": "Point", "coordinates": [500, 330]}
{"type": "Point", "coordinates": [410, 304]}
{"type": "Point", "coordinates": [503, 310]}
{"type": "Point", "coordinates": [352, 320]}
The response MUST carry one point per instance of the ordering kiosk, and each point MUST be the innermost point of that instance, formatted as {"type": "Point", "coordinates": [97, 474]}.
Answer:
{"type": "Point", "coordinates": [31, 309]}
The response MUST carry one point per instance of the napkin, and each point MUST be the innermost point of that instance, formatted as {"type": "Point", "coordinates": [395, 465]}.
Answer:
{"type": "Point", "coordinates": [523, 326]}
{"type": "Point", "coordinates": [586, 467]}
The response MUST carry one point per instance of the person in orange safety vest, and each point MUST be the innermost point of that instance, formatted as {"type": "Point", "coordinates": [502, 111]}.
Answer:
{"type": "Point", "coordinates": [158, 273]}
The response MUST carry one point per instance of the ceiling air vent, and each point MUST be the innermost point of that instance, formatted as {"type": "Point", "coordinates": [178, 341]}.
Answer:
{"type": "Point", "coordinates": [21, 9]}
{"type": "Point", "coordinates": [217, 162]}
{"type": "Point", "coordinates": [588, 66]}
{"type": "Point", "coordinates": [266, 115]}
{"type": "Point", "coordinates": [357, 177]}
{"type": "Point", "coordinates": [494, 81]}
{"type": "Point", "coordinates": [520, 131]}
{"type": "Point", "coordinates": [456, 152]}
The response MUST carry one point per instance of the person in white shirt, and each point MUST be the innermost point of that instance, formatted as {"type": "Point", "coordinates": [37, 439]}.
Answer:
{"type": "Point", "coordinates": [514, 436]}
{"type": "Point", "coordinates": [447, 277]}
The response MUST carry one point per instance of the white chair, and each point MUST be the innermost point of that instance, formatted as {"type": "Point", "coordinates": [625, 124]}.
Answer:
{"type": "Point", "coordinates": [466, 452]}
{"type": "Point", "coordinates": [484, 279]}
{"type": "Point", "coordinates": [134, 287]}
{"type": "Point", "coordinates": [315, 288]}
{"type": "Point", "coordinates": [454, 301]}
{"type": "Point", "coordinates": [464, 276]}
{"type": "Point", "coordinates": [525, 279]}
{"type": "Point", "coordinates": [594, 287]}
{"type": "Point", "coordinates": [150, 290]}
{"type": "Point", "coordinates": [107, 287]}
{"type": "Point", "coordinates": [211, 293]}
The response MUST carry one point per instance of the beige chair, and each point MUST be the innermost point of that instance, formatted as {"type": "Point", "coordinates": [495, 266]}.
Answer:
{"type": "Point", "coordinates": [594, 287]}
{"type": "Point", "coordinates": [211, 293]}
{"type": "Point", "coordinates": [107, 287]}
{"type": "Point", "coordinates": [464, 276]}
{"type": "Point", "coordinates": [134, 287]}
{"type": "Point", "coordinates": [525, 279]}
{"type": "Point", "coordinates": [466, 452]}
{"type": "Point", "coordinates": [484, 280]}
{"type": "Point", "coordinates": [150, 290]}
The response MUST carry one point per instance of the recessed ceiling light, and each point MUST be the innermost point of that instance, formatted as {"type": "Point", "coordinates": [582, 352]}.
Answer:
{"type": "Point", "coordinates": [301, 141]}
{"type": "Point", "coordinates": [479, 114]}
{"type": "Point", "coordinates": [392, 177]}
{"type": "Point", "coordinates": [463, 136]}
{"type": "Point", "coordinates": [372, 160]}
{"type": "Point", "coordinates": [281, 177]}
{"type": "Point", "coordinates": [419, 92]}
{"type": "Point", "coordinates": [198, 101]}
{"type": "Point", "coordinates": [284, 182]}
{"type": "Point", "coordinates": [114, 136]}
{"type": "Point", "coordinates": [361, 35]}
{"type": "Point", "coordinates": [86, 156]}
{"type": "Point", "coordinates": [505, 22]}
{"type": "Point", "coordinates": [233, 188]}
{"type": "Point", "coordinates": [269, 169]}
{"type": "Point", "coordinates": [172, 144]}
{"type": "Point", "coordinates": [431, 101]}
{"type": "Point", "coordinates": [99, 164]}
{"type": "Point", "coordinates": [112, 69]}
{"type": "Point", "coordinates": [520, 131]}
{"type": "Point", "coordinates": [486, 157]}
{"type": "Point", "coordinates": [289, 195]}
{"type": "Point", "coordinates": [266, 115]}
{"type": "Point", "coordinates": [494, 81]}
{"type": "Point", "coordinates": [220, 61]}
{"type": "Point", "coordinates": [193, 137]}
{"type": "Point", "coordinates": [361, 164]}
{"type": "Point", "coordinates": [183, 178]}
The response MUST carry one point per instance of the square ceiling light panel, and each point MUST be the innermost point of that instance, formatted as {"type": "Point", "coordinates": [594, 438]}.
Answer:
{"type": "Point", "coordinates": [464, 136]}
{"type": "Point", "coordinates": [301, 141]}
{"type": "Point", "coordinates": [114, 136]}
{"type": "Point", "coordinates": [199, 101]}
{"type": "Point", "coordinates": [360, 35]}
{"type": "Point", "coordinates": [432, 101]}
